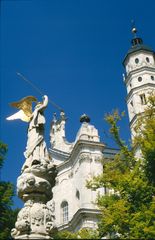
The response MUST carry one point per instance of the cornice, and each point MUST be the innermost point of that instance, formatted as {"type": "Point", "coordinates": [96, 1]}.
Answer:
{"type": "Point", "coordinates": [134, 118]}
{"type": "Point", "coordinates": [71, 225]}
{"type": "Point", "coordinates": [137, 51]}
{"type": "Point", "coordinates": [76, 150]}
{"type": "Point", "coordinates": [59, 152]}
{"type": "Point", "coordinates": [138, 88]}
{"type": "Point", "coordinates": [138, 70]}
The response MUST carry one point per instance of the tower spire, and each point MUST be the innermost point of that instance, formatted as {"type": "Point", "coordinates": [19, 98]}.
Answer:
{"type": "Point", "coordinates": [134, 29]}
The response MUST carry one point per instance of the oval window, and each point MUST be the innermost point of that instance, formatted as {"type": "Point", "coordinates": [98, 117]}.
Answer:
{"type": "Point", "coordinates": [136, 60]}
{"type": "Point", "coordinates": [152, 78]}
{"type": "Point", "coordinates": [139, 79]}
{"type": "Point", "coordinates": [147, 59]}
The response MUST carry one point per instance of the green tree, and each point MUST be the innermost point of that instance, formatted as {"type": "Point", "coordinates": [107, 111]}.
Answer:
{"type": "Point", "coordinates": [7, 215]}
{"type": "Point", "coordinates": [64, 235]}
{"type": "Point", "coordinates": [145, 138]}
{"type": "Point", "coordinates": [128, 210]}
{"type": "Point", "coordinates": [84, 233]}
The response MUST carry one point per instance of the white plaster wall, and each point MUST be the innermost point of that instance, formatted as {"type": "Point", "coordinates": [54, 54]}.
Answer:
{"type": "Point", "coordinates": [81, 164]}
{"type": "Point", "coordinates": [137, 105]}
{"type": "Point", "coordinates": [73, 178]}
{"type": "Point", "coordinates": [131, 65]}
{"type": "Point", "coordinates": [146, 78]}
{"type": "Point", "coordinates": [63, 192]}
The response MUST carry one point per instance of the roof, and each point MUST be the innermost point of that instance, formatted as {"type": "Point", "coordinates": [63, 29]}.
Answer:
{"type": "Point", "coordinates": [137, 45]}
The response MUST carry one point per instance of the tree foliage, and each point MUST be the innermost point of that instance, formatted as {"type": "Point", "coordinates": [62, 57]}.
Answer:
{"type": "Point", "coordinates": [145, 138]}
{"type": "Point", "coordinates": [128, 208]}
{"type": "Point", "coordinates": [84, 233]}
{"type": "Point", "coordinates": [7, 215]}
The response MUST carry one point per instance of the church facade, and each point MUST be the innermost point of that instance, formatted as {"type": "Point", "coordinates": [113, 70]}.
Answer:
{"type": "Point", "coordinates": [76, 162]}
{"type": "Point", "coordinates": [80, 160]}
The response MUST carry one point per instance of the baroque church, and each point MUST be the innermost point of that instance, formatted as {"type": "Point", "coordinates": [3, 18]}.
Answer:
{"type": "Point", "coordinates": [79, 161]}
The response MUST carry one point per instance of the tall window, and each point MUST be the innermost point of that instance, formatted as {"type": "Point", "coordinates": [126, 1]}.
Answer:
{"type": "Point", "coordinates": [143, 99]}
{"type": "Point", "coordinates": [64, 211]}
{"type": "Point", "coordinates": [77, 194]}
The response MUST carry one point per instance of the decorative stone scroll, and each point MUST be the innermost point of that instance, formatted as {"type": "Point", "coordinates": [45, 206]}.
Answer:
{"type": "Point", "coordinates": [85, 157]}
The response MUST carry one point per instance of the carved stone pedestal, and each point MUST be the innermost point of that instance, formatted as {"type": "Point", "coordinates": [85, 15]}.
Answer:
{"type": "Point", "coordinates": [35, 221]}
{"type": "Point", "coordinates": [34, 186]}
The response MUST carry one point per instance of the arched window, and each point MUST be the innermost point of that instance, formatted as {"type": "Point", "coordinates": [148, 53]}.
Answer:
{"type": "Point", "coordinates": [64, 211]}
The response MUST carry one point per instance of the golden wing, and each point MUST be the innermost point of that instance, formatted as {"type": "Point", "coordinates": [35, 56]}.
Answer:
{"type": "Point", "coordinates": [25, 104]}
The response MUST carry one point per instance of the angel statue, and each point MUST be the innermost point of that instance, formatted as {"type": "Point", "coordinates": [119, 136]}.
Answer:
{"type": "Point", "coordinates": [36, 146]}
{"type": "Point", "coordinates": [34, 186]}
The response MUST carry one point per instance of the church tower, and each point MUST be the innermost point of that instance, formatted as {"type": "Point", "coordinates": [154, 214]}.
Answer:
{"type": "Point", "coordinates": [139, 77]}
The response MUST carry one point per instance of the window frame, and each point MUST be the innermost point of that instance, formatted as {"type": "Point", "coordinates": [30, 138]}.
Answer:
{"type": "Point", "coordinates": [143, 99]}
{"type": "Point", "coordinates": [136, 60]}
{"type": "Point", "coordinates": [64, 211]}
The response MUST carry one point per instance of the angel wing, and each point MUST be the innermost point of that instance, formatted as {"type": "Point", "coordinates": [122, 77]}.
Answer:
{"type": "Point", "coordinates": [19, 115]}
{"type": "Point", "coordinates": [25, 106]}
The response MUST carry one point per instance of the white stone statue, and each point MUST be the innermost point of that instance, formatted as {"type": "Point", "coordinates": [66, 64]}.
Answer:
{"type": "Point", "coordinates": [34, 186]}
{"type": "Point", "coordinates": [36, 147]}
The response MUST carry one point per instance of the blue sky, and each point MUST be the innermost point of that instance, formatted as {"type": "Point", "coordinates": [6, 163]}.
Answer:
{"type": "Point", "coordinates": [73, 51]}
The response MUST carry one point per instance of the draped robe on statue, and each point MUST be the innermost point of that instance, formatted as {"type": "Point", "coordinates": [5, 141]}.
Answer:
{"type": "Point", "coordinates": [36, 147]}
